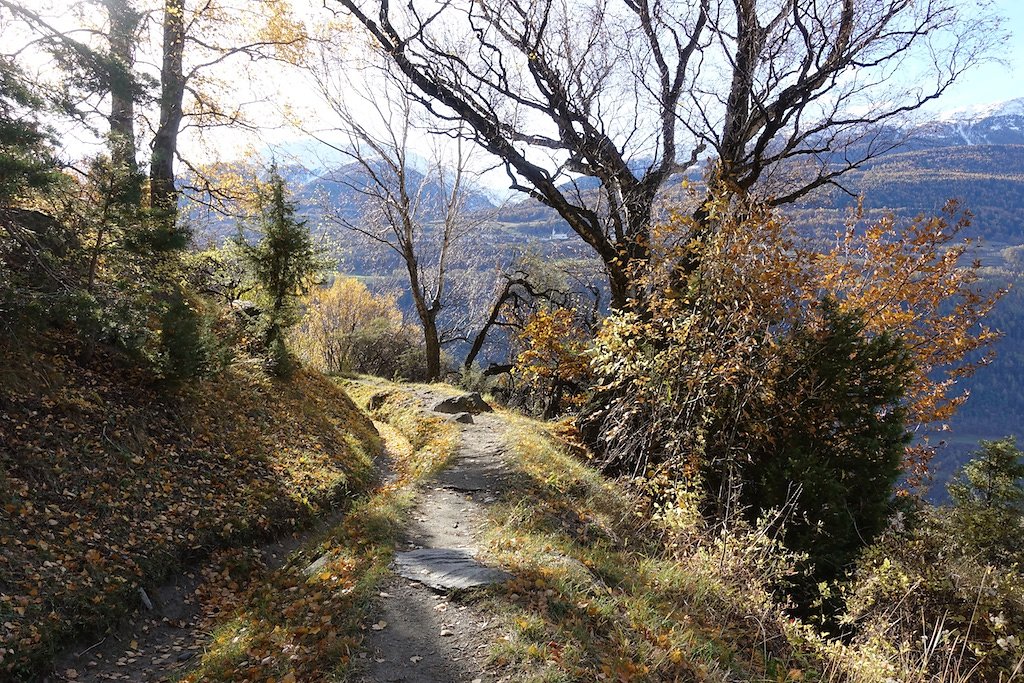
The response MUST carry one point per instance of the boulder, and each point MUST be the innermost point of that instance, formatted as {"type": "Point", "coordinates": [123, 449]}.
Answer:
{"type": "Point", "coordinates": [467, 403]}
{"type": "Point", "coordinates": [464, 418]}
{"type": "Point", "coordinates": [246, 308]}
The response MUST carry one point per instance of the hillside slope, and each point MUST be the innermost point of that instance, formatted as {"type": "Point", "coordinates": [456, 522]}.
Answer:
{"type": "Point", "coordinates": [109, 485]}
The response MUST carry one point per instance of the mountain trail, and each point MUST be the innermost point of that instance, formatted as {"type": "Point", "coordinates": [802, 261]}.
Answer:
{"type": "Point", "coordinates": [424, 632]}
{"type": "Point", "coordinates": [419, 628]}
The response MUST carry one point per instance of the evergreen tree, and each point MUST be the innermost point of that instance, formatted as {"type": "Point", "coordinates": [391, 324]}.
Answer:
{"type": "Point", "coordinates": [839, 447]}
{"type": "Point", "coordinates": [26, 159]}
{"type": "Point", "coordinates": [284, 262]}
{"type": "Point", "coordinates": [988, 502]}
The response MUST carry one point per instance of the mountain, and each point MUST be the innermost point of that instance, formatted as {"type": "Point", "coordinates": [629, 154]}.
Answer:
{"type": "Point", "coordinates": [975, 155]}
{"type": "Point", "coordinates": [993, 124]}
{"type": "Point", "coordinates": [322, 192]}
{"type": "Point", "coordinates": [988, 180]}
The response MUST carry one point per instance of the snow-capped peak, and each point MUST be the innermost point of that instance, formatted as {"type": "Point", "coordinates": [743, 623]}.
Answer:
{"type": "Point", "coordinates": [983, 111]}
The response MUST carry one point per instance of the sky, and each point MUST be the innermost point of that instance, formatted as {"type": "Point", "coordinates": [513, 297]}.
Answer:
{"type": "Point", "coordinates": [995, 82]}
{"type": "Point", "coordinates": [992, 82]}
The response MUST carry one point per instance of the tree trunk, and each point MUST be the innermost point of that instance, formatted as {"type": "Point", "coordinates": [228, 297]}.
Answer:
{"type": "Point", "coordinates": [432, 345]}
{"type": "Point", "coordinates": [553, 405]}
{"type": "Point", "coordinates": [492, 319]}
{"type": "Point", "coordinates": [124, 21]}
{"type": "Point", "coordinates": [162, 195]}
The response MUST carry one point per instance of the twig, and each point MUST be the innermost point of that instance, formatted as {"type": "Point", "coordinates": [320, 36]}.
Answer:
{"type": "Point", "coordinates": [93, 647]}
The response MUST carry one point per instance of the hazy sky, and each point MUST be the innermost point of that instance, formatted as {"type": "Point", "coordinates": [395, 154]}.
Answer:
{"type": "Point", "coordinates": [990, 83]}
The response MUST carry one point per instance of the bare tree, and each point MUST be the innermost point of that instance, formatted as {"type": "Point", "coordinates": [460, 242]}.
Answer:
{"type": "Point", "coordinates": [418, 213]}
{"type": "Point", "coordinates": [531, 282]}
{"type": "Point", "coordinates": [787, 94]}
{"type": "Point", "coordinates": [198, 38]}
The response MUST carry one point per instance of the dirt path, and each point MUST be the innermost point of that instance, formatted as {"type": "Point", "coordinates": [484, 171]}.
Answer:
{"type": "Point", "coordinates": [430, 635]}
{"type": "Point", "coordinates": [416, 634]}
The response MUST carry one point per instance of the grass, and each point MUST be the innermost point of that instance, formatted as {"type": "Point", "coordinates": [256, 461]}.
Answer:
{"type": "Point", "coordinates": [109, 484]}
{"type": "Point", "coordinates": [304, 621]}
{"type": "Point", "coordinates": [599, 595]}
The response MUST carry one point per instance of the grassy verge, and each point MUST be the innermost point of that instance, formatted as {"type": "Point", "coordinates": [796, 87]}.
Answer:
{"type": "Point", "coordinates": [600, 595]}
{"type": "Point", "coordinates": [108, 484]}
{"type": "Point", "coordinates": [304, 621]}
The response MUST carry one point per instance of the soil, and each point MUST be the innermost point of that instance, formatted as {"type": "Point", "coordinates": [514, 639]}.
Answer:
{"type": "Point", "coordinates": [436, 636]}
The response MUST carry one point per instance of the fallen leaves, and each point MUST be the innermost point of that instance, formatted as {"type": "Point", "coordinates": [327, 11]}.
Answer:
{"type": "Point", "coordinates": [107, 483]}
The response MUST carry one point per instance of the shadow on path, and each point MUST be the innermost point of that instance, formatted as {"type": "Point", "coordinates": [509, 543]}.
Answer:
{"type": "Point", "coordinates": [423, 634]}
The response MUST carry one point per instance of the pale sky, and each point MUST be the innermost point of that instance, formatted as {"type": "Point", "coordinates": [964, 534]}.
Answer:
{"type": "Point", "coordinates": [986, 84]}
{"type": "Point", "coordinates": [995, 82]}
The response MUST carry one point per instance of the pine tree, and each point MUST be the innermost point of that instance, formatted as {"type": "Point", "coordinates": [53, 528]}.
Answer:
{"type": "Point", "coordinates": [839, 447]}
{"type": "Point", "coordinates": [988, 502]}
{"type": "Point", "coordinates": [26, 159]}
{"type": "Point", "coordinates": [284, 262]}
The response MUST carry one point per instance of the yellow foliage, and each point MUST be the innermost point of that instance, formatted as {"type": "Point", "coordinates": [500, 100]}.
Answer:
{"type": "Point", "coordinates": [554, 350]}
{"type": "Point", "coordinates": [755, 280]}
{"type": "Point", "coordinates": [910, 279]}
{"type": "Point", "coordinates": [323, 337]}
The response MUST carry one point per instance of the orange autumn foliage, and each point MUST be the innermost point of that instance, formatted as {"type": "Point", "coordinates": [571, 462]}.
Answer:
{"type": "Point", "coordinates": [554, 352]}
{"type": "Point", "coordinates": [910, 279]}
{"type": "Point", "coordinates": [713, 334]}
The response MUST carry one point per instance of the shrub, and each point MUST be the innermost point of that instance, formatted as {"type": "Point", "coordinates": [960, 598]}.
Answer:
{"type": "Point", "coordinates": [933, 611]}
{"type": "Point", "coordinates": [553, 364]}
{"type": "Point", "coordinates": [987, 515]}
{"type": "Point", "coordinates": [188, 345]}
{"type": "Point", "coordinates": [776, 377]}
{"type": "Point", "coordinates": [347, 328]}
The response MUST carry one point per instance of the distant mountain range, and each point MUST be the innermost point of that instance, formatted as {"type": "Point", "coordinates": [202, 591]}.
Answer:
{"type": "Point", "coordinates": [993, 124]}
{"type": "Point", "coordinates": [974, 154]}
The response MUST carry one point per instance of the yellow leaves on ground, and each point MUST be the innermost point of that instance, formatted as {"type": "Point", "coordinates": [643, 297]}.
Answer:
{"type": "Point", "coordinates": [109, 484]}
{"type": "Point", "coordinates": [279, 625]}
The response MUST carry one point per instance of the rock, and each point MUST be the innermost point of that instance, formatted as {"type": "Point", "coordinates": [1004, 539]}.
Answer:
{"type": "Point", "coordinates": [378, 399]}
{"type": "Point", "coordinates": [467, 403]}
{"type": "Point", "coordinates": [446, 569]}
{"type": "Point", "coordinates": [464, 418]}
{"type": "Point", "coordinates": [246, 307]}
{"type": "Point", "coordinates": [316, 566]}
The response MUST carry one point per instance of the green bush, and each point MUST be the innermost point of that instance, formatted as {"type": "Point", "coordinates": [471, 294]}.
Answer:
{"type": "Point", "coordinates": [188, 347]}
{"type": "Point", "coordinates": [833, 442]}
{"type": "Point", "coordinates": [934, 611]}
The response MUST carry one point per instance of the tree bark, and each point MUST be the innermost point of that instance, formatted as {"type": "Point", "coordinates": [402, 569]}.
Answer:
{"type": "Point", "coordinates": [124, 22]}
{"type": "Point", "coordinates": [432, 346]}
{"type": "Point", "coordinates": [163, 196]}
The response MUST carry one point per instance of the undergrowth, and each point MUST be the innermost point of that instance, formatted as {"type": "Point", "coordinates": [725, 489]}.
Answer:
{"type": "Point", "coordinates": [600, 595]}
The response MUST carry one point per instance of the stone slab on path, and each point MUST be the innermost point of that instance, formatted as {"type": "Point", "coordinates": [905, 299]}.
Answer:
{"type": "Point", "coordinates": [446, 569]}
{"type": "Point", "coordinates": [466, 403]}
